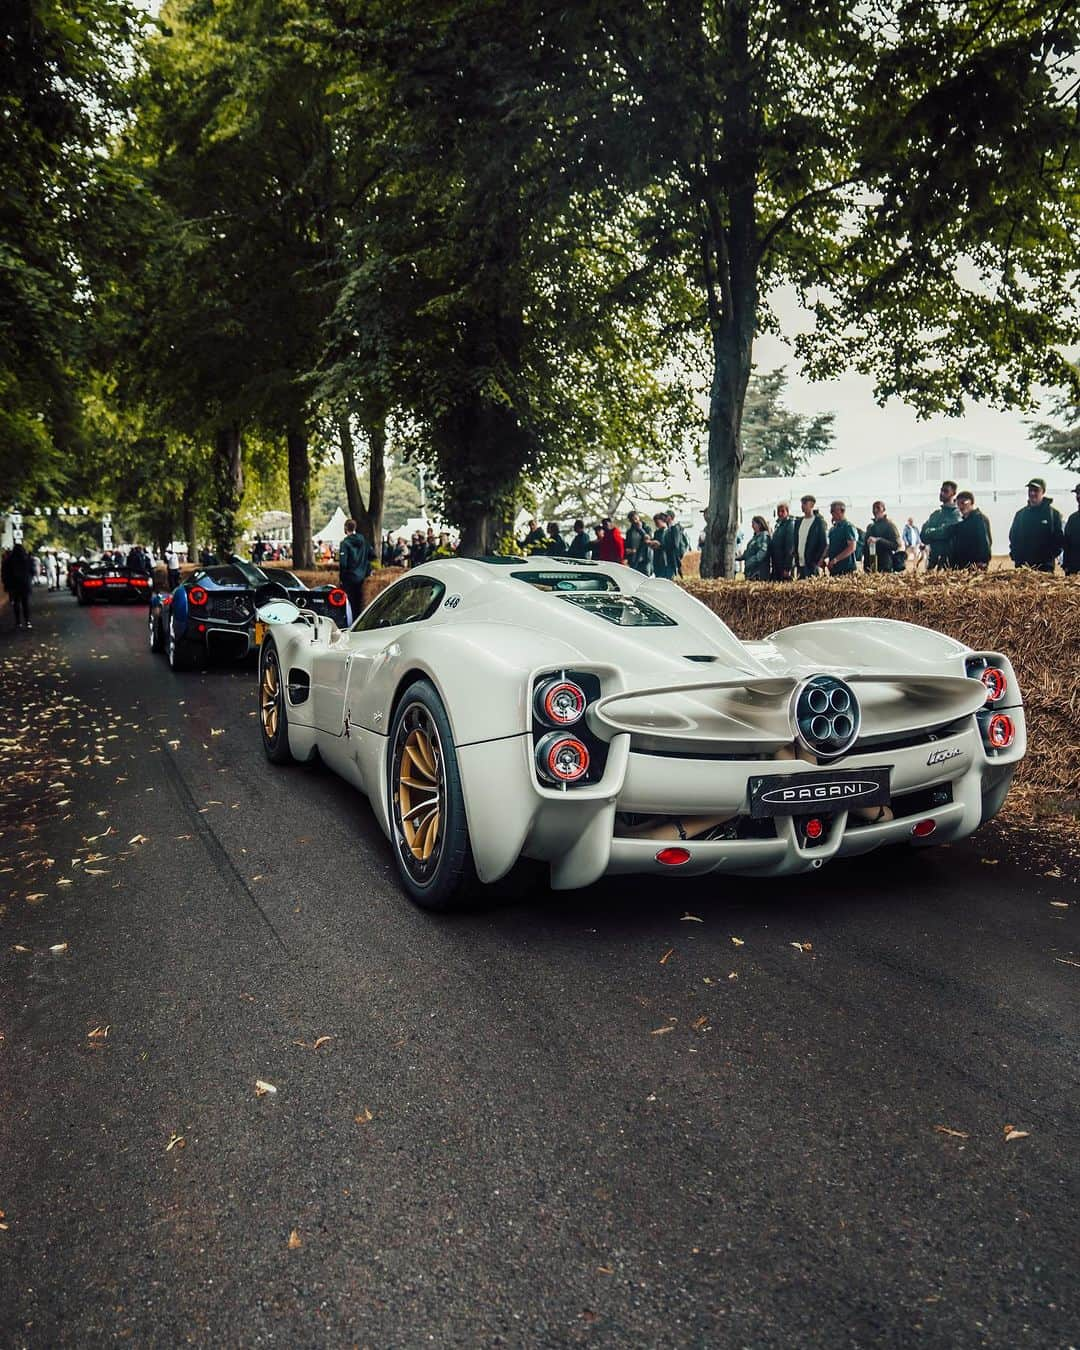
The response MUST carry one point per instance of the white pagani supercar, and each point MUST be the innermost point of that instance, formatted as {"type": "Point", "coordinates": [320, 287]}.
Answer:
{"type": "Point", "coordinates": [602, 721]}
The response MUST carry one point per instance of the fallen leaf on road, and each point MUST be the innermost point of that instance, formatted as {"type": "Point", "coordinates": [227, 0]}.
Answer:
{"type": "Point", "coordinates": [734, 975]}
{"type": "Point", "coordinates": [364, 1116]}
{"type": "Point", "coordinates": [63, 881]}
{"type": "Point", "coordinates": [138, 839]}
{"type": "Point", "coordinates": [321, 1040]}
{"type": "Point", "coordinates": [661, 1031]}
{"type": "Point", "coordinates": [1011, 1133]}
{"type": "Point", "coordinates": [217, 731]}
{"type": "Point", "coordinates": [706, 980]}
{"type": "Point", "coordinates": [666, 955]}
{"type": "Point", "coordinates": [294, 1240]}
{"type": "Point", "coordinates": [182, 836]}
{"type": "Point", "coordinates": [990, 862]}
{"type": "Point", "coordinates": [953, 1134]}
{"type": "Point", "coordinates": [95, 872]}
{"type": "Point", "coordinates": [1058, 904]}
{"type": "Point", "coordinates": [1064, 960]}
{"type": "Point", "coordinates": [702, 1021]}
{"type": "Point", "coordinates": [98, 1033]}
{"type": "Point", "coordinates": [177, 1141]}
{"type": "Point", "coordinates": [19, 948]}
{"type": "Point", "coordinates": [737, 942]}
{"type": "Point", "coordinates": [261, 1088]}
{"type": "Point", "coordinates": [59, 948]}
{"type": "Point", "coordinates": [804, 946]}
{"type": "Point", "coordinates": [691, 918]}
{"type": "Point", "coordinates": [38, 895]}
{"type": "Point", "coordinates": [1054, 872]}
{"type": "Point", "coordinates": [174, 745]}
{"type": "Point", "coordinates": [604, 1270]}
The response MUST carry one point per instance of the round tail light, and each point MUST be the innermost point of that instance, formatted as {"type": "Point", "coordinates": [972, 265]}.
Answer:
{"type": "Point", "coordinates": [337, 597]}
{"type": "Point", "coordinates": [562, 759]}
{"type": "Point", "coordinates": [995, 682]}
{"type": "Point", "coordinates": [1000, 731]}
{"type": "Point", "coordinates": [815, 828]}
{"type": "Point", "coordinates": [197, 596]}
{"type": "Point", "coordinates": [559, 703]}
{"type": "Point", "coordinates": [923, 829]}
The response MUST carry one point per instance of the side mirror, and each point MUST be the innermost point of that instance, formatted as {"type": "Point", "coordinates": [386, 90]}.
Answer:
{"type": "Point", "coordinates": [278, 611]}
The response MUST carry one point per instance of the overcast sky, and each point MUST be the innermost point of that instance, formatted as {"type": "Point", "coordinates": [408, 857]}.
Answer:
{"type": "Point", "coordinates": [865, 431]}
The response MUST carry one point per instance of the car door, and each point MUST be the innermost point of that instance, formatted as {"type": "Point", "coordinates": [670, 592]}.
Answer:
{"type": "Point", "coordinates": [371, 643]}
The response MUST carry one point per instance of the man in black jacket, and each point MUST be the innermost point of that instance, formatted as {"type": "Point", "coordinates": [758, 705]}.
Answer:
{"type": "Point", "coordinates": [354, 564]}
{"type": "Point", "coordinates": [579, 541]}
{"type": "Point", "coordinates": [970, 542]}
{"type": "Point", "coordinates": [811, 540]}
{"type": "Point", "coordinates": [1072, 539]}
{"type": "Point", "coordinates": [1037, 535]}
{"type": "Point", "coordinates": [782, 545]}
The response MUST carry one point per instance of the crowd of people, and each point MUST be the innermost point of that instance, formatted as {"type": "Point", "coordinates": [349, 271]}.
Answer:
{"type": "Point", "coordinates": [956, 535]}
{"type": "Point", "coordinates": [655, 550]}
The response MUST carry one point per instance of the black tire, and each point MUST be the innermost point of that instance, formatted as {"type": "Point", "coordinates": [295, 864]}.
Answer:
{"type": "Point", "coordinates": [80, 595]}
{"type": "Point", "coordinates": [178, 651]}
{"type": "Point", "coordinates": [273, 713]}
{"type": "Point", "coordinates": [431, 840]}
{"type": "Point", "coordinates": [157, 642]}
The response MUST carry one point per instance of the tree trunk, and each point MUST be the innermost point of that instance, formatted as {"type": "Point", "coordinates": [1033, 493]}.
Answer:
{"type": "Point", "coordinates": [296, 440]}
{"type": "Point", "coordinates": [731, 372]}
{"type": "Point", "coordinates": [188, 510]}
{"type": "Point", "coordinates": [228, 490]}
{"type": "Point", "coordinates": [372, 527]}
{"type": "Point", "coordinates": [353, 492]}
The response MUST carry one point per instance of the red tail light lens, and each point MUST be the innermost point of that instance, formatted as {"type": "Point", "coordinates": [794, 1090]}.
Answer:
{"type": "Point", "coordinates": [197, 596]}
{"type": "Point", "coordinates": [995, 682]}
{"type": "Point", "coordinates": [562, 759]}
{"type": "Point", "coordinates": [559, 703]}
{"type": "Point", "coordinates": [337, 597]}
{"type": "Point", "coordinates": [673, 857]}
{"type": "Point", "coordinates": [814, 828]}
{"type": "Point", "coordinates": [93, 581]}
{"type": "Point", "coordinates": [924, 829]}
{"type": "Point", "coordinates": [1000, 731]}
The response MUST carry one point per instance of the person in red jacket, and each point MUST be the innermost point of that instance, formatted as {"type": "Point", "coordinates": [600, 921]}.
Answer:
{"type": "Point", "coordinates": [611, 545]}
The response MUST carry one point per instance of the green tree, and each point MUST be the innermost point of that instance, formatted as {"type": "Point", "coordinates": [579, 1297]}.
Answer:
{"type": "Point", "coordinates": [912, 169]}
{"type": "Point", "coordinates": [777, 441]}
{"type": "Point", "coordinates": [1061, 439]}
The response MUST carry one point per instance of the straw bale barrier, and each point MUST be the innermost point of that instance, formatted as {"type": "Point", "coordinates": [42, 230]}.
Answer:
{"type": "Point", "coordinates": [1033, 619]}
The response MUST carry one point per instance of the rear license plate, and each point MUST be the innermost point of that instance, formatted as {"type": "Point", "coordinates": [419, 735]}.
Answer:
{"type": "Point", "coordinates": [260, 632]}
{"type": "Point", "coordinates": [805, 794]}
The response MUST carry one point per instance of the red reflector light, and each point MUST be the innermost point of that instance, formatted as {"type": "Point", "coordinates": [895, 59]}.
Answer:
{"type": "Point", "coordinates": [1000, 731]}
{"type": "Point", "coordinates": [995, 682]}
{"type": "Point", "coordinates": [673, 857]}
{"type": "Point", "coordinates": [814, 828]}
{"type": "Point", "coordinates": [93, 581]}
{"type": "Point", "coordinates": [923, 828]}
{"type": "Point", "coordinates": [202, 628]}
{"type": "Point", "coordinates": [197, 596]}
{"type": "Point", "coordinates": [337, 597]}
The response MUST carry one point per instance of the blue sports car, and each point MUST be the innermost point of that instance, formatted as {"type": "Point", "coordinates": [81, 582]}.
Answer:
{"type": "Point", "coordinates": [212, 613]}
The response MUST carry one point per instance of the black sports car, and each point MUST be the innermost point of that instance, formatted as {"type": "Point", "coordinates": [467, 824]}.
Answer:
{"type": "Point", "coordinates": [108, 580]}
{"type": "Point", "coordinates": [212, 613]}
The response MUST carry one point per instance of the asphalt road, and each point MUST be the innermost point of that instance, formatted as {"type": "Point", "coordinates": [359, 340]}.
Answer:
{"type": "Point", "coordinates": [733, 1113]}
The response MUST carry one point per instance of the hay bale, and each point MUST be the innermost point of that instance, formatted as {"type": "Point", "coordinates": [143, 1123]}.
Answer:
{"type": "Point", "coordinates": [1032, 618]}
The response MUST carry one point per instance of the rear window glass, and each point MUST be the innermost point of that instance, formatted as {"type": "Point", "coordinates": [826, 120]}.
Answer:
{"type": "Point", "coordinates": [567, 581]}
{"type": "Point", "coordinates": [625, 610]}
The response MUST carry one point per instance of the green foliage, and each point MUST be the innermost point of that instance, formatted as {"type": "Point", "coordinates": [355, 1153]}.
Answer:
{"type": "Point", "coordinates": [1062, 442]}
{"type": "Point", "coordinates": [776, 441]}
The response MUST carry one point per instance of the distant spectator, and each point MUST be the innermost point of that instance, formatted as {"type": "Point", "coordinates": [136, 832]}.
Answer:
{"type": "Point", "coordinates": [664, 554]}
{"type": "Point", "coordinates": [1037, 535]}
{"type": "Point", "coordinates": [556, 543]}
{"type": "Point", "coordinates": [50, 572]}
{"type": "Point", "coordinates": [912, 541]}
{"type": "Point", "coordinates": [782, 545]}
{"type": "Point", "coordinates": [755, 558]}
{"type": "Point", "coordinates": [884, 548]}
{"type": "Point", "coordinates": [16, 575]}
{"type": "Point", "coordinates": [1071, 557]}
{"type": "Point", "coordinates": [354, 564]}
{"type": "Point", "coordinates": [172, 567]}
{"type": "Point", "coordinates": [970, 544]}
{"type": "Point", "coordinates": [811, 539]}
{"type": "Point", "coordinates": [842, 541]}
{"type": "Point", "coordinates": [638, 553]}
{"type": "Point", "coordinates": [534, 538]}
{"type": "Point", "coordinates": [611, 547]}
{"type": "Point", "coordinates": [579, 541]}
{"type": "Point", "coordinates": [937, 531]}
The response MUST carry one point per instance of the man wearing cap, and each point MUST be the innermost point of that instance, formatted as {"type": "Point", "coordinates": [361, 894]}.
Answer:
{"type": "Point", "coordinates": [1037, 535]}
{"type": "Point", "coordinates": [1071, 557]}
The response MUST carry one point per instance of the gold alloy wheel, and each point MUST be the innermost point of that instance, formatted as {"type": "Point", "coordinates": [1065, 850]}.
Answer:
{"type": "Point", "coordinates": [270, 697]}
{"type": "Point", "coordinates": [419, 798]}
